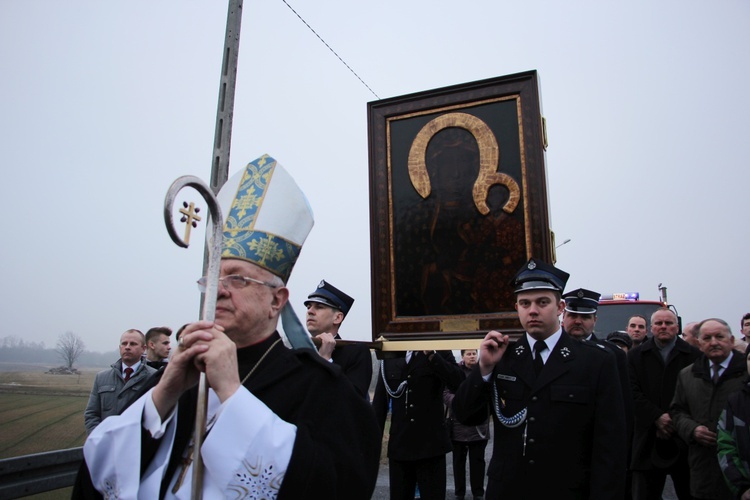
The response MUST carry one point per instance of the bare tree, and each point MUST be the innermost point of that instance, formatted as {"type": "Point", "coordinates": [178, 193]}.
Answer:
{"type": "Point", "coordinates": [69, 347]}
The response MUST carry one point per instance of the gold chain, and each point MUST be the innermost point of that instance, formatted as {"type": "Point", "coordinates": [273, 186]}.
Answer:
{"type": "Point", "coordinates": [259, 361]}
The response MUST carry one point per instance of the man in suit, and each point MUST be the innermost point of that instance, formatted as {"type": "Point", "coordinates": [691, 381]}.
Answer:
{"type": "Point", "coordinates": [657, 450]}
{"type": "Point", "coordinates": [327, 307]}
{"type": "Point", "coordinates": [702, 391]}
{"type": "Point", "coordinates": [413, 386]}
{"type": "Point", "coordinates": [116, 388]}
{"type": "Point", "coordinates": [556, 403]}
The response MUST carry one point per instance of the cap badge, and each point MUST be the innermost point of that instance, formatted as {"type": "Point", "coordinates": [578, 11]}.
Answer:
{"type": "Point", "coordinates": [531, 265]}
{"type": "Point", "coordinates": [322, 283]}
{"type": "Point", "coordinates": [580, 294]}
{"type": "Point", "coordinates": [565, 352]}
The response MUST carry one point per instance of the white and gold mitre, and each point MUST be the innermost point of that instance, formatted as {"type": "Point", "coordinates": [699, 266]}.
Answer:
{"type": "Point", "coordinates": [266, 217]}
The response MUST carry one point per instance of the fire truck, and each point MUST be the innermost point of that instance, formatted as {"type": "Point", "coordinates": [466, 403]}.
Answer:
{"type": "Point", "coordinates": [617, 308]}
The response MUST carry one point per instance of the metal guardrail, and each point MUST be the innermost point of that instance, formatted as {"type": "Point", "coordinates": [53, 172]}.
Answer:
{"type": "Point", "coordinates": [31, 474]}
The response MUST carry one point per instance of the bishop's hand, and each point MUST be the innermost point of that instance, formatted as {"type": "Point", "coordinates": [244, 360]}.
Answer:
{"type": "Point", "coordinates": [203, 347]}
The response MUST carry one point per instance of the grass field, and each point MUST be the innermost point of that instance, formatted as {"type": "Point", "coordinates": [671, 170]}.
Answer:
{"type": "Point", "coordinates": [41, 412]}
{"type": "Point", "coordinates": [39, 382]}
{"type": "Point", "coordinates": [33, 424]}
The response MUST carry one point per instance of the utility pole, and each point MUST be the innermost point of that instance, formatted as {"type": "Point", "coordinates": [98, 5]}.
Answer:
{"type": "Point", "coordinates": [219, 175]}
{"type": "Point", "coordinates": [225, 107]}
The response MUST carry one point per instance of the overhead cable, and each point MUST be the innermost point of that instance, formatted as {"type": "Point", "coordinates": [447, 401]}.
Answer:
{"type": "Point", "coordinates": [329, 48]}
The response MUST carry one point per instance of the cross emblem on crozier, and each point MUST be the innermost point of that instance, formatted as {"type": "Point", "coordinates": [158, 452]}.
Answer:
{"type": "Point", "coordinates": [190, 217]}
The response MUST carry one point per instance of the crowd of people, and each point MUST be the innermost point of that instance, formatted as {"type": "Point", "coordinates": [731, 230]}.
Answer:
{"type": "Point", "coordinates": [598, 418]}
{"type": "Point", "coordinates": [574, 416]}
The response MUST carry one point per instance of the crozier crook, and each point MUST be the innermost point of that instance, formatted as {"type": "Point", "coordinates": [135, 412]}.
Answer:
{"type": "Point", "coordinates": [209, 301]}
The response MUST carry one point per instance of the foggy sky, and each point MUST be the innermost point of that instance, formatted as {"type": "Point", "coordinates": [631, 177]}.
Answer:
{"type": "Point", "coordinates": [104, 104]}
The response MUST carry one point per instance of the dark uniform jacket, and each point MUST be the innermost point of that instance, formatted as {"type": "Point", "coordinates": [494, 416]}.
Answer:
{"type": "Point", "coordinates": [418, 429]}
{"type": "Point", "coordinates": [627, 392]}
{"type": "Point", "coordinates": [653, 383]}
{"type": "Point", "coordinates": [356, 363]}
{"type": "Point", "coordinates": [572, 444]}
{"type": "Point", "coordinates": [698, 401]}
{"type": "Point", "coordinates": [332, 459]}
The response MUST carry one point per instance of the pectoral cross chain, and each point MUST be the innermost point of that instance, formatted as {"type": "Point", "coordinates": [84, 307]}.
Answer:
{"type": "Point", "coordinates": [188, 458]}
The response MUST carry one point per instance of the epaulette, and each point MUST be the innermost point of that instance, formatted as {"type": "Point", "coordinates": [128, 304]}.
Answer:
{"type": "Point", "coordinates": [596, 346]}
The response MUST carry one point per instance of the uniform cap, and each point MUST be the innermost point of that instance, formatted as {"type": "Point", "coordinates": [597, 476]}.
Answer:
{"type": "Point", "coordinates": [581, 301]}
{"type": "Point", "coordinates": [538, 275]}
{"type": "Point", "coordinates": [621, 338]}
{"type": "Point", "coordinates": [330, 296]}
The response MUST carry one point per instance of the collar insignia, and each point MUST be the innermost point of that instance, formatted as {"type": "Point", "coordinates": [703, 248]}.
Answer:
{"type": "Point", "coordinates": [519, 349]}
{"type": "Point", "coordinates": [565, 352]}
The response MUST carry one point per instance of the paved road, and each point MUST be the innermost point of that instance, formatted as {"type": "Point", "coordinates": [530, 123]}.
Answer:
{"type": "Point", "coordinates": [382, 491]}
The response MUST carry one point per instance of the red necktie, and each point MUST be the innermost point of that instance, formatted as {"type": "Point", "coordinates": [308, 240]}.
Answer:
{"type": "Point", "coordinates": [128, 373]}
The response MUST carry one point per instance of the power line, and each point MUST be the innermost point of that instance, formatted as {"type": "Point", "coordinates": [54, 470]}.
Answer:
{"type": "Point", "coordinates": [329, 48]}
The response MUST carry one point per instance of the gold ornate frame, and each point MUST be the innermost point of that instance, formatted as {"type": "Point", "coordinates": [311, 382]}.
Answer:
{"type": "Point", "coordinates": [442, 255]}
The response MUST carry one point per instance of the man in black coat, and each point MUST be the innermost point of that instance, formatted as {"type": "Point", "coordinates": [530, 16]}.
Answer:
{"type": "Point", "coordinates": [556, 403]}
{"type": "Point", "coordinates": [327, 307]}
{"type": "Point", "coordinates": [268, 430]}
{"type": "Point", "coordinates": [413, 386]}
{"type": "Point", "coordinates": [579, 320]}
{"type": "Point", "coordinates": [700, 396]}
{"type": "Point", "coordinates": [657, 450]}
{"type": "Point", "coordinates": [269, 383]}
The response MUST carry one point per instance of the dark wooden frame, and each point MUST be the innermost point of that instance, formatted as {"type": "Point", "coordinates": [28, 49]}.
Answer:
{"type": "Point", "coordinates": [394, 128]}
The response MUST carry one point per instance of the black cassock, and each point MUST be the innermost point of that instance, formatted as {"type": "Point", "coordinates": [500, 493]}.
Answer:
{"type": "Point", "coordinates": [337, 445]}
